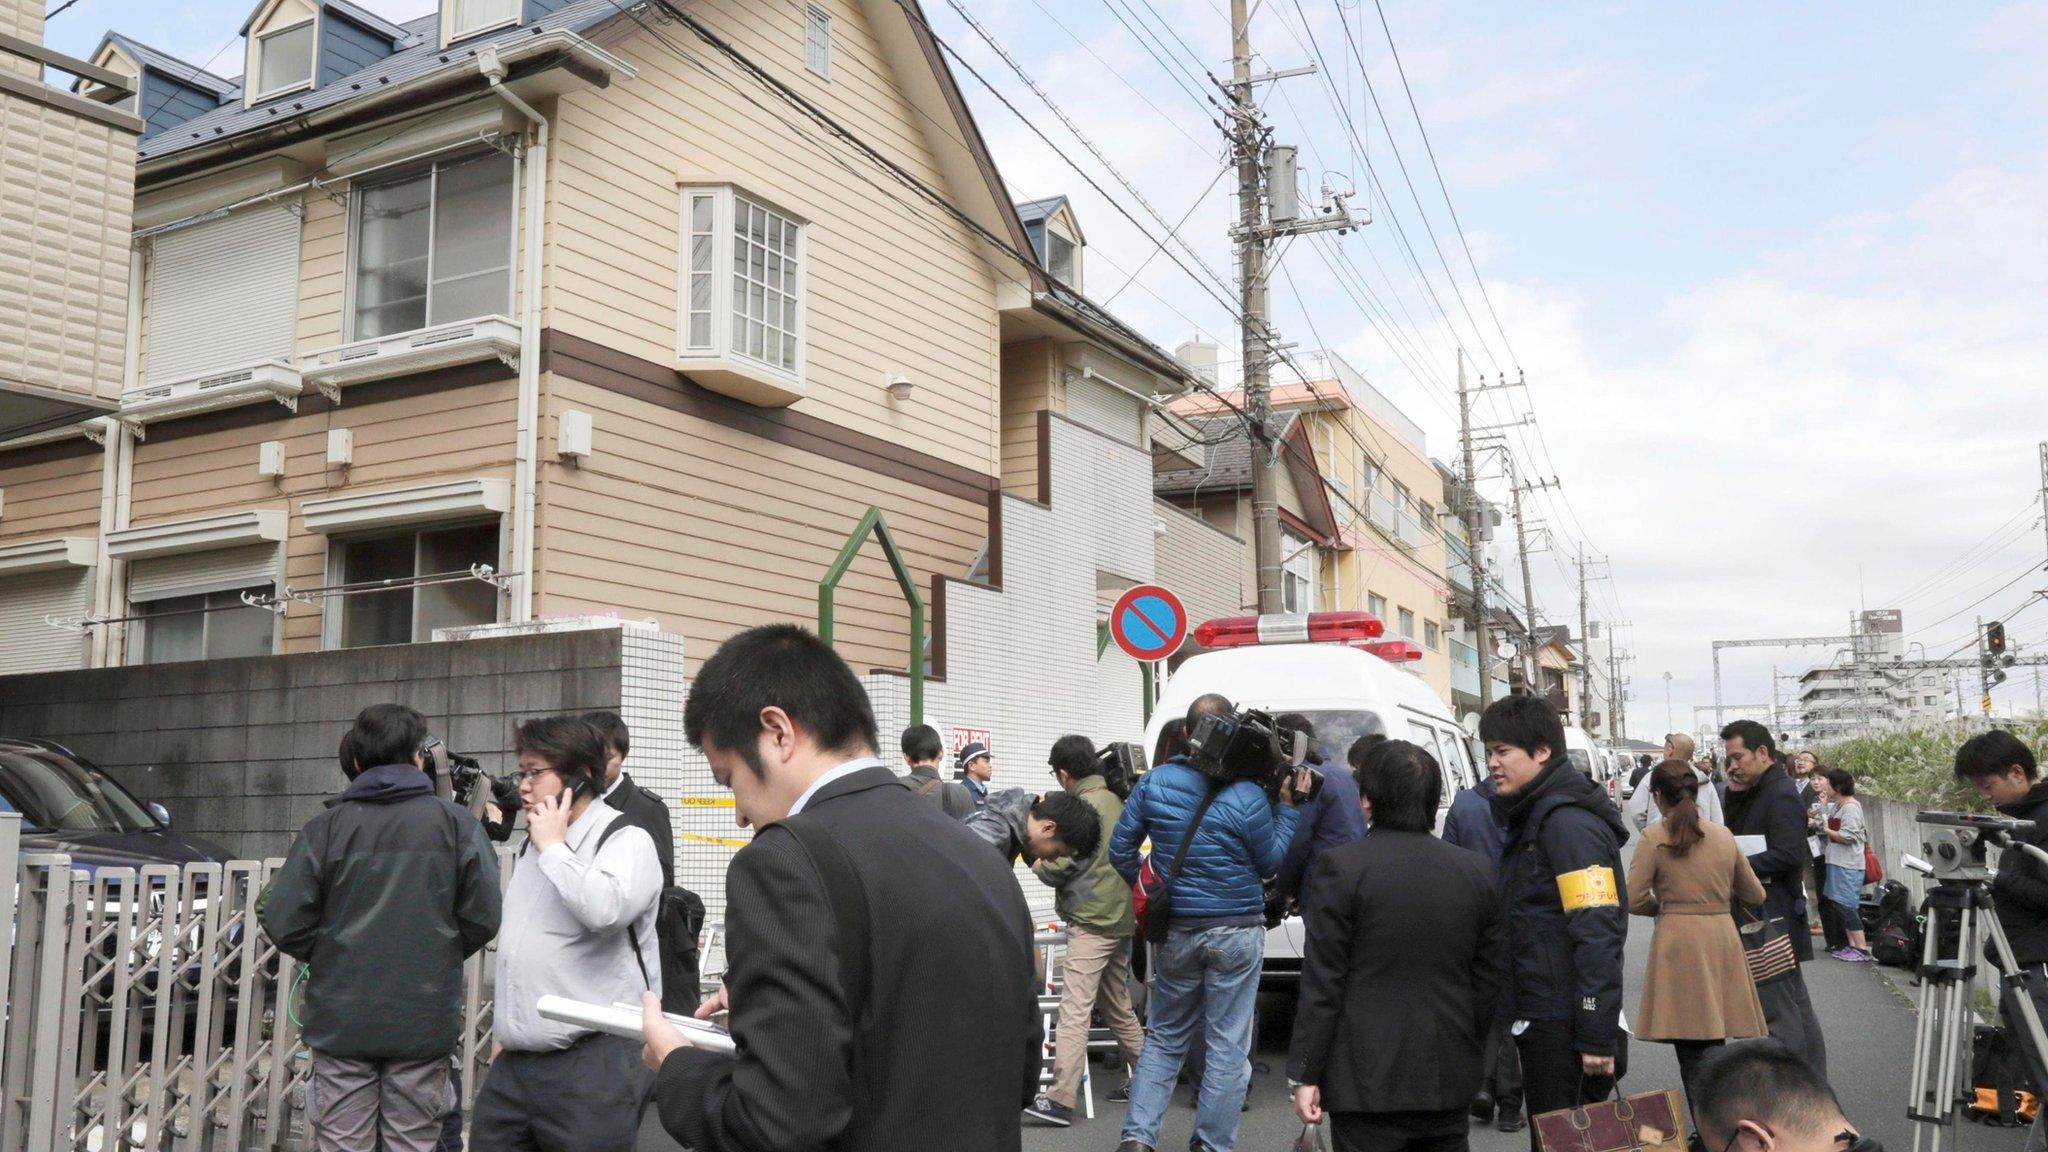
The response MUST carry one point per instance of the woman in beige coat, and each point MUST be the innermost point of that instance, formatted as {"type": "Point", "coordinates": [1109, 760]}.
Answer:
{"type": "Point", "coordinates": [1687, 873]}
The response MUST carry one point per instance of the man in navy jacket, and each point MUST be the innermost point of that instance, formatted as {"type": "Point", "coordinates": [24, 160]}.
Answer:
{"type": "Point", "coordinates": [1207, 969]}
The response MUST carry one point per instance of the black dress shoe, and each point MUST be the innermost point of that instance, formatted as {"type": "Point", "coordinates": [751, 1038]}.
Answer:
{"type": "Point", "coordinates": [1134, 1146]}
{"type": "Point", "coordinates": [1510, 1120]}
{"type": "Point", "coordinates": [1482, 1108]}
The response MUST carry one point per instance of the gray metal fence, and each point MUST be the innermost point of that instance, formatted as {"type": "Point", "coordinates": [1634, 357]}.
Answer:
{"type": "Point", "coordinates": [146, 1010]}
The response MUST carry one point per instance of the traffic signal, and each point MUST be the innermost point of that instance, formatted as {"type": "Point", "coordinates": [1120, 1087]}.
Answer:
{"type": "Point", "coordinates": [1994, 639]}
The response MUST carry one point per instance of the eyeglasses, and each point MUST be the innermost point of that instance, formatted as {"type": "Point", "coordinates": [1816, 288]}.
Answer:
{"type": "Point", "coordinates": [529, 777]}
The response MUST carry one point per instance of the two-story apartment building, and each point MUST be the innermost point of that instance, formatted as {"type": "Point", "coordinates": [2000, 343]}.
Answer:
{"type": "Point", "coordinates": [527, 309]}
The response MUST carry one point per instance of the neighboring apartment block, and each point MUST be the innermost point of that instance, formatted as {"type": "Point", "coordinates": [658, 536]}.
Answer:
{"type": "Point", "coordinates": [530, 309]}
{"type": "Point", "coordinates": [1360, 506]}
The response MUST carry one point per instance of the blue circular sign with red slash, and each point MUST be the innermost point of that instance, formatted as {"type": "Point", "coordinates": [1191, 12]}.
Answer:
{"type": "Point", "coordinates": [1148, 623]}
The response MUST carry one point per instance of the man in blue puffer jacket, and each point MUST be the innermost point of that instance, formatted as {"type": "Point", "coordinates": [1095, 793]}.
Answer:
{"type": "Point", "coordinates": [1207, 969]}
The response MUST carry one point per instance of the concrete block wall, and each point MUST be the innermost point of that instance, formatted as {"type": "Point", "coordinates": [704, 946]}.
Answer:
{"type": "Point", "coordinates": [242, 752]}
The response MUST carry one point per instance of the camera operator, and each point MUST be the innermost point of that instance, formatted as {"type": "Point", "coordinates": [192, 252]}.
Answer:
{"type": "Point", "coordinates": [2006, 776]}
{"type": "Point", "coordinates": [355, 901]}
{"type": "Point", "coordinates": [1330, 821]}
{"type": "Point", "coordinates": [1207, 967]}
{"type": "Point", "coordinates": [1095, 903]}
{"type": "Point", "coordinates": [580, 922]}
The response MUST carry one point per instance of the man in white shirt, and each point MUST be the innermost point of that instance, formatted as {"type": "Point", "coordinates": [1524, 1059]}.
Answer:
{"type": "Point", "coordinates": [579, 923]}
{"type": "Point", "coordinates": [1642, 812]}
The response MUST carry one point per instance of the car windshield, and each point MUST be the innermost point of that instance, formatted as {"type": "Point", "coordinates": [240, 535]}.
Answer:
{"type": "Point", "coordinates": [1580, 760]}
{"type": "Point", "coordinates": [54, 793]}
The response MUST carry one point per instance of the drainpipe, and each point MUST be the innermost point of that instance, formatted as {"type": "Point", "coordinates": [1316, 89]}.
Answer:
{"type": "Point", "coordinates": [525, 448]}
{"type": "Point", "coordinates": [115, 459]}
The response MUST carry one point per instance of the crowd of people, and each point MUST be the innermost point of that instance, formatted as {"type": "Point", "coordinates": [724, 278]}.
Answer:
{"type": "Point", "coordinates": [881, 949]}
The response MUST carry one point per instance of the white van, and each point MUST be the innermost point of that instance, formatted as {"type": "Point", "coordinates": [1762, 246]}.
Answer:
{"type": "Point", "coordinates": [1345, 692]}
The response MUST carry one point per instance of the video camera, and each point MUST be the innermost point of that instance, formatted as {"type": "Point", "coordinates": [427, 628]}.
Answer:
{"type": "Point", "coordinates": [464, 774]}
{"type": "Point", "coordinates": [1954, 843]}
{"type": "Point", "coordinates": [1120, 765]}
{"type": "Point", "coordinates": [1250, 745]}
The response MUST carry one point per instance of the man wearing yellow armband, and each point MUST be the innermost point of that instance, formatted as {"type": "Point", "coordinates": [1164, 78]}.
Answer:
{"type": "Point", "coordinates": [1561, 885]}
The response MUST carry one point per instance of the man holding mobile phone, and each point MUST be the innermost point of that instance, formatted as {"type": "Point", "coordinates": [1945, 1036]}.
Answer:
{"type": "Point", "coordinates": [579, 922]}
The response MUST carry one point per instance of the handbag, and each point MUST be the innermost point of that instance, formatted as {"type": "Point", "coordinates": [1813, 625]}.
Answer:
{"type": "Point", "coordinates": [1873, 872]}
{"type": "Point", "coordinates": [1156, 896]}
{"type": "Point", "coordinates": [1647, 1120]}
{"type": "Point", "coordinates": [1767, 947]}
{"type": "Point", "coordinates": [1312, 1139]}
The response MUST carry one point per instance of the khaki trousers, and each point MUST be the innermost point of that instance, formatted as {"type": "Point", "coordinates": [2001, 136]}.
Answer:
{"type": "Point", "coordinates": [1097, 973]}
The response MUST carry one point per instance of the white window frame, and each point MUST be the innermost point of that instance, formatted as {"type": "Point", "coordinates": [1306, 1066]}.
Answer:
{"type": "Point", "coordinates": [454, 33]}
{"type": "Point", "coordinates": [138, 639]}
{"type": "Point", "coordinates": [1377, 605]}
{"type": "Point", "coordinates": [430, 168]}
{"type": "Point", "coordinates": [263, 39]}
{"type": "Point", "coordinates": [719, 349]}
{"type": "Point", "coordinates": [332, 619]}
{"type": "Point", "coordinates": [1072, 279]}
{"type": "Point", "coordinates": [1432, 635]}
{"type": "Point", "coordinates": [817, 20]}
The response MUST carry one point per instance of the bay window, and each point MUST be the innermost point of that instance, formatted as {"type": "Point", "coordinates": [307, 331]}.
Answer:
{"type": "Point", "coordinates": [433, 246]}
{"type": "Point", "coordinates": [741, 311]}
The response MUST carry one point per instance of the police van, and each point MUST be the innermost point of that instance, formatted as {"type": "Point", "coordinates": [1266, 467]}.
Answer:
{"type": "Point", "coordinates": [1335, 669]}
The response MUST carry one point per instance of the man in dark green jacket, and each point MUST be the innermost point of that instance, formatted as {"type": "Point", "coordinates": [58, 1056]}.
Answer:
{"type": "Point", "coordinates": [384, 896]}
{"type": "Point", "coordinates": [1095, 902]}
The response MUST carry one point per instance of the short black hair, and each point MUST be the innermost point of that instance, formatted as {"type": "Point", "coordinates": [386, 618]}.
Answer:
{"type": "Point", "coordinates": [1753, 734]}
{"type": "Point", "coordinates": [1173, 740]}
{"type": "Point", "coordinates": [571, 745]}
{"type": "Point", "coordinates": [1207, 704]}
{"type": "Point", "coordinates": [1765, 1082]}
{"type": "Point", "coordinates": [1525, 722]}
{"type": "Point", "coordinates": [1074, 755]}
{"type": "Point", "coordinates": [1074, 821]}
{"type": "Point", "coordinates": [921, 744]}
{"type": "Point", "coordinates": [613, 730]}
{"type": "Point", "coordinates": [1404, 784]}
{"type": "Point", "coordinates": [1362, 747]}
{"type": "Point", "coordinates": [348, 754]}
{"type": "Point", "coordinates": [777, 666]}
{"type": "Point", "coordinates": [386, 734]}
{"type": "Point", "coordinates": [1841, 780]}
{"type": "Point", "coordinates": [1995, 753]}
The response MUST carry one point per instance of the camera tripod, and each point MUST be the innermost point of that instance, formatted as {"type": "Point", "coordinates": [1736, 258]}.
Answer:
{"type": "Point", "coordinates": [1942, 1038]}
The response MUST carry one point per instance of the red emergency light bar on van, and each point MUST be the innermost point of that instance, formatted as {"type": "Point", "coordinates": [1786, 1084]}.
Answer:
{"type": "Point", "coordinates": [1312, 628]}
{"type": "Point", "coordinates": [1393, 651]}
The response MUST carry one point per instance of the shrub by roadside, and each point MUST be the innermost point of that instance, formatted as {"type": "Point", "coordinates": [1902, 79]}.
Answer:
{"type": "Point", "coordinates": [1917, 766]}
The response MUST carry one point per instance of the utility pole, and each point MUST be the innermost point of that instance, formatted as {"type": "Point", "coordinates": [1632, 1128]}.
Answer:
{"type": "Point", "coordinates": [1475, 529]}
{"type": "Point", "coordinates": [1528, 585]}
{"type": "Point", "coordinates": [1268, 208]}
{"type": "Point", "coordinates": [1614, 721]}
{"type": "Point", "coordinates": [2044, 493]}
{"type": "Point", "coordinates": [1983, 667]}
{"type": "Point", "coordinates": [1586, 675]}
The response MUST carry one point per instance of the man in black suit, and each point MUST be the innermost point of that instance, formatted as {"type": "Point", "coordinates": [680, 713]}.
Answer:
{"type": "Point", "coordinates": [639, 807]}
{"type": "Point", "coordinates": [880, 983]}
{"type": "Point", "coordinates": [1399, 981]}
{"type": "Point", "coordinates": [1769, 822]}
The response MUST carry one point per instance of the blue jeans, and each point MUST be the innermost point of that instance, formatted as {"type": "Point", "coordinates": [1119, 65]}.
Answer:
{"type": "Point", "coordinates": [1208, 977]}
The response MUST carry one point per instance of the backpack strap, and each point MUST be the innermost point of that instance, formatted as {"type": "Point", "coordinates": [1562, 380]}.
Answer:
{"type": "Point", "coordinates": [632, 926]}
{"type": "Point", "coordinates": [849, 909]}
{"type": "Point", "coordinates": [925, 789]}
{"type": "Point", "coordinates": [1194, 825]}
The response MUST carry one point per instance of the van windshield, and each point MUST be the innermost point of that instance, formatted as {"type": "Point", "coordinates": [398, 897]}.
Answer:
{"type": "Point", "coordinates": [1580, 760]}
{"type": "Point", "coordinates": [1336, 731]}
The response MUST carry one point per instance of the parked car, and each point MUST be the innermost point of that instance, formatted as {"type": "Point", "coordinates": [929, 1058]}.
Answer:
{"type": "Point", "coordinates": [67, 804]}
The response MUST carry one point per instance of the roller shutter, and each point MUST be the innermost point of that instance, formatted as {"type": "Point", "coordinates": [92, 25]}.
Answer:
{"type": "Point", "coordinates": [1103, 408]}
{"type": "Point", "coordinates": [223, 294]}
{"type": "Point", "coordinates": [192, 573]}
{"type": "Point", "coordinates": [27, 642]}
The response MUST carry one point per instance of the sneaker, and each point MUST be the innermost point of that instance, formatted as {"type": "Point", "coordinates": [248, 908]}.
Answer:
{"type": "Point", "coordinates": [1121, 1094]}
{"type": "Point", "coordinates": [1045, 1111]}
{"type": "Point", "coordinates": [1510, 1120]}
{"type": "Point", "coordinates": [1857, 956]}
{"type": "Point", "coordinates": [1482, 1108]}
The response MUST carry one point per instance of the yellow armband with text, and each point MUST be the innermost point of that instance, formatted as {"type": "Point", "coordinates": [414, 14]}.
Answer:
{"type": "Point", "coordinates": [1588, 888]}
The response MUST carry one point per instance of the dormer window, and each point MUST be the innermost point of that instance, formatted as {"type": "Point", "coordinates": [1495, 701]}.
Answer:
{"type": "Point", "coordinates": [284, 59]}
{"type": "Point", "coordinates": [1059, 259]}
{"type": "Point", "coordinates": [468, 17]}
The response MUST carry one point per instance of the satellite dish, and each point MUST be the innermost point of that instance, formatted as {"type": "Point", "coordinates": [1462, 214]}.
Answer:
{"type": "Point", "coordinates": [1471, 724]}
{"type": "Point", "coordinates": [1504, 650]}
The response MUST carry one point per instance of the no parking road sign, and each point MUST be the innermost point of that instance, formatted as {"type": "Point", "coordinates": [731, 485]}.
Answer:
{"type": "Point", "coordinates": [1148, 623]}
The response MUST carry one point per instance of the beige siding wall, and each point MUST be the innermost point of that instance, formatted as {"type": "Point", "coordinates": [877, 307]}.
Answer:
{"type": "Point", "coordinates": [64, 224]}
{"type": "Point", "coordinates": [51, 498]}
{"type": "Point", "coordinates": [1032, 383]}
{"type": "Point", "coordinates": [711, 530]}
{"type": "Point", "coordinates": [23, 18]}
{"type": "Point", "coordinates": [892, 284]}
{"type": "Point", "coordinates": [450, 434]}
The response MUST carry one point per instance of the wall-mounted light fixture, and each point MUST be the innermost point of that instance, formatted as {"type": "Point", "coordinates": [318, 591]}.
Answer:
{"type": "Point", "coordinates": [898, 386]}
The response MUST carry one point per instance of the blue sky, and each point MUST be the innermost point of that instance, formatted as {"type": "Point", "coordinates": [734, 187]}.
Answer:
{"type": "Point", "coordinates": [1776, 273]}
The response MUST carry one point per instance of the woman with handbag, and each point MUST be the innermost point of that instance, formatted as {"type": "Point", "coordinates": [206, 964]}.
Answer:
{"type": "Point", "coordinates": [1844, 833]}
{"type": "Point", "coordinates": [1697, 990]}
